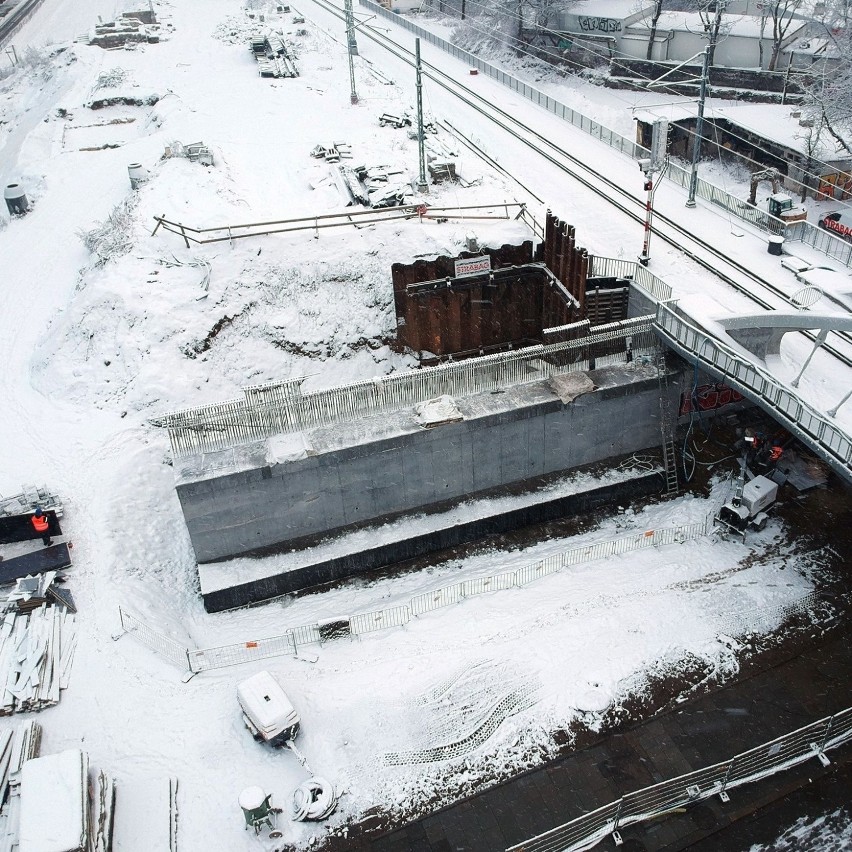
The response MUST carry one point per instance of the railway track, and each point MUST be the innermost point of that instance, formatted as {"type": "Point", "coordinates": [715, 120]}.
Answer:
{"type": "Point", "coordinates": [19, 14]}
{"type": "Point", "coordinates": [667, 229]}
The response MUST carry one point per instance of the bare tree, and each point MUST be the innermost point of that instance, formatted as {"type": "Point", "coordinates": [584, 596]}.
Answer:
{"type": "Point", "coordinates": [828, 97]}
{"type": "Point", "coordinates": [712, 15]}
{"type": "Point", "coordinates": [780, 14]}
{"type": "Point", "coordinates": [654, 20]}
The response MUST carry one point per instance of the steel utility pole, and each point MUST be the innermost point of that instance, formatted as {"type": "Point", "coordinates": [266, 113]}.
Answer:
{"type": "Point", "coordinates": [422, 184]}
{"type": "Point", "coordinates": [352, 47]}
{"type": "Point", "coordinates": [699, 127]}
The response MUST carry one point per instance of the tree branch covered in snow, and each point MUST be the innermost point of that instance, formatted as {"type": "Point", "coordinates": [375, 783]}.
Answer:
{"type": "Point", "coordinates": [829, 96]}
{"type": "Point", "coordinates": [113, 237]}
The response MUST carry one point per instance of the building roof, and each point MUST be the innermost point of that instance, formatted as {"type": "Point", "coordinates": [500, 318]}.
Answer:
{"type": "Point", "coordinates": [773, 122]}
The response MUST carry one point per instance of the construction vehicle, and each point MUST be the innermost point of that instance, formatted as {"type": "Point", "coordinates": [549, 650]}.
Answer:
{"type": "Point", "coordinates": [754, 494]}
{"type": "Point", "coordinates": [780, 204]}
{"type": "Point", "coordinates": [781, 207]}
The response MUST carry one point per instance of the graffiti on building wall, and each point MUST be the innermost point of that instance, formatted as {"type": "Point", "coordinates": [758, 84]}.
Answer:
{"type": "Point", "coordinates": [600, 25]}
{"type": "Point", "coordinates": [709, 398]}
{"type": "Point", "coordinates": [837, 185]}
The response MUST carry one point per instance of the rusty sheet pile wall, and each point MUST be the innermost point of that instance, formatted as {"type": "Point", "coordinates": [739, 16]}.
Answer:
{"type": "Point", "coordinates": [524, 293]}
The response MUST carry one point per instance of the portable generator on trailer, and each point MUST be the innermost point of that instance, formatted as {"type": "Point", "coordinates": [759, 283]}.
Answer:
{"type": "Point", "coordinates": [267, 712]}
{"type": "Point", "coordinates": [271, 718]}
{"type": "Point", "coordinates": [754, 494]}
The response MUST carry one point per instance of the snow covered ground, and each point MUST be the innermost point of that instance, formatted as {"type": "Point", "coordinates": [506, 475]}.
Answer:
{"type": "Point", "coordinates": [93, 347]}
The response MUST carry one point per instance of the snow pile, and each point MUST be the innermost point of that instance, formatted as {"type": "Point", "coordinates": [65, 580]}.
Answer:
{"type": "Point", "coordinates": [102, 332]}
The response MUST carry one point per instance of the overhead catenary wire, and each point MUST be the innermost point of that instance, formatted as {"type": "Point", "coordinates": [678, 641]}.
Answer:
{"type": "Point", "coordinates": [519, 46]}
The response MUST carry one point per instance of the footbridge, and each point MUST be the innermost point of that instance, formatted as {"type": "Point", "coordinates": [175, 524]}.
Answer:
{"type": "Point", "coordinates": [731, 349]}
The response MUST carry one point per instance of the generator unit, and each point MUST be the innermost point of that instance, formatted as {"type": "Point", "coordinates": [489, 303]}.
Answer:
{"type": "Point", "coordinates": [747, 509]}
{"type": "Point", "coordinates": [267, 712]}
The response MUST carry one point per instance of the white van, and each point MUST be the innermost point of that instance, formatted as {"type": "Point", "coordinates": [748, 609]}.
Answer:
{"type": "Point", "coordinates": [267, 711]}
{"type": "Point", "coordinates": [839, 223]}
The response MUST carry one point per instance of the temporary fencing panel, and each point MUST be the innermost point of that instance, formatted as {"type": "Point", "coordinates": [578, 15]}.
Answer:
{"type": "Point", "coordinates": [245, 652]}
{"type": "Point", "coordinates": [173, 651]}
{"type": "Point", "coordinates": [368, 622]}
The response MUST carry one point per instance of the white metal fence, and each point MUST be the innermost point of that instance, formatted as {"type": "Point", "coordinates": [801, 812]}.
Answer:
{"type": "Point", "coordinates": [360, 624]}
{"type": "Point", "coordinates": [173, 651]}
{"type": "Point", "coordinates": [821, 240]}
{"type": "Point", "coordinates": [288, 643]}
{"type": "Point", "coordinates": [281, 407]}
{"type": "Point", "coordinates": [766, 759]}
{"type": "Point", "coordinates": [816, 430]}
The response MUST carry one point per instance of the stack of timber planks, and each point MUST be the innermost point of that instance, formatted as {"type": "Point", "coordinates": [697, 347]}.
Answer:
{"type": "Point", "coordinates": [36, 653]}
{"type": "Point", "coordinates": [16, 747]}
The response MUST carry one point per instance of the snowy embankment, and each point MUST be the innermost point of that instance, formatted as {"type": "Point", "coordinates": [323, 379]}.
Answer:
{"type": "Point", "coordinates": [94, 345]}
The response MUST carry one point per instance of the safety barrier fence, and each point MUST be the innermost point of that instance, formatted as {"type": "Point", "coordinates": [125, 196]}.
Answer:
{"type": "Point", "coordinates": [171, 650]}
{"type": "Point", "coordinates": [804, 231]}
{"type": "Point", "coordinates": [774, 756]}
{"type": "Point", "coordinates": [281, 407]}
{"type": "Point", "coordinates": [826, 439]}
{"type": "Point", "coordinates": [288, 643]}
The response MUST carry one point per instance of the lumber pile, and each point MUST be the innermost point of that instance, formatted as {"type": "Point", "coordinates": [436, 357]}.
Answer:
{"type": "Point", "coordinates": [53, 801]}
{"type": "Point", "coordinates": [36, 653]}
{"type": "Point", "coordinates": [32, 592]}
{"type": "Point", "coordinates": [274, 56]}
{"type": "Point", "coordinates": [16, 747]}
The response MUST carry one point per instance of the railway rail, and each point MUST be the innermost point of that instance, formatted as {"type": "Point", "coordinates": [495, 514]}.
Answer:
{"type": "Point", "coordinates": [702, 252]}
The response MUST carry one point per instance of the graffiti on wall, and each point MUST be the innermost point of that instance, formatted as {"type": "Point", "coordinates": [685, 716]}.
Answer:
{"type": "Point", "coordinates": [837, 185]}
{"type": "Point", "coordinates": [600, 25]}
{"type": "Point", "coordinates": [709, 398]}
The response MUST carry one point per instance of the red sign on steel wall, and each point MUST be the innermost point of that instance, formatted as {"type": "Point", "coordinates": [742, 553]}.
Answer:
{"type": "Point", "coordinates": [709, 398]}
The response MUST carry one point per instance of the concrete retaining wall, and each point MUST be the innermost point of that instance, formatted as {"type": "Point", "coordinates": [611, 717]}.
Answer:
{"type": "Point", "coordinates": [354, 563]}
{"type": "Point", "coordinates": [359, 472]}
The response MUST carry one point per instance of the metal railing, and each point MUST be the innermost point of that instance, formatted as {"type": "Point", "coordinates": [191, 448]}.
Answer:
{"type": "Point", "coordinates": [821, 240]}
{"type": "Point", "coordinates": [826, 439]}
{"type": "Point", "coordinates": [281, 407]}
{"type": "Point", "coordinates": [774, 756]}
{"type": "Point", "coordinates": [288, 643]}
{"type": "Point", "coordinates": [615, 267]}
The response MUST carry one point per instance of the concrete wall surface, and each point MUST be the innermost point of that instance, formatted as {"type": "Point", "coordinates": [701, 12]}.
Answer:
{"type": "Point", "coordinates": [357, 472]}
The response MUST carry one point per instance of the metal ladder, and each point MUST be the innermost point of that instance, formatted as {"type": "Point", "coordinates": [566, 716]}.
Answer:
{"type": "Point", "coordinates": [668, 424]}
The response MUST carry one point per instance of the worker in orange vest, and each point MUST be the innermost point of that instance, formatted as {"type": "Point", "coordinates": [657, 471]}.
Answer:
{"type": "Point", "coordinates": [42, 526]}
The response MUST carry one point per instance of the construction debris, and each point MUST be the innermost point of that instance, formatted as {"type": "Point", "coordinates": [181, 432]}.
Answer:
{"type": "Point", "coordinates": [371, 187]}
{"type": "Point", "coordinates": [126, 30]}
{"type": "Point", "coordinates": [32, 592]}
{"type": "Point", "coordinates": [397, 121]}
{"type": "Point", "coordinates": [332, 153]}
{"type": "Point", "coordinates": [28, 499]}
{"type": "Point", "coordinates": [195, 152]}
{"type": "Point", "coordinates": [36, 653]}
{"type": "Point", "coordinates": [274, 57]}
